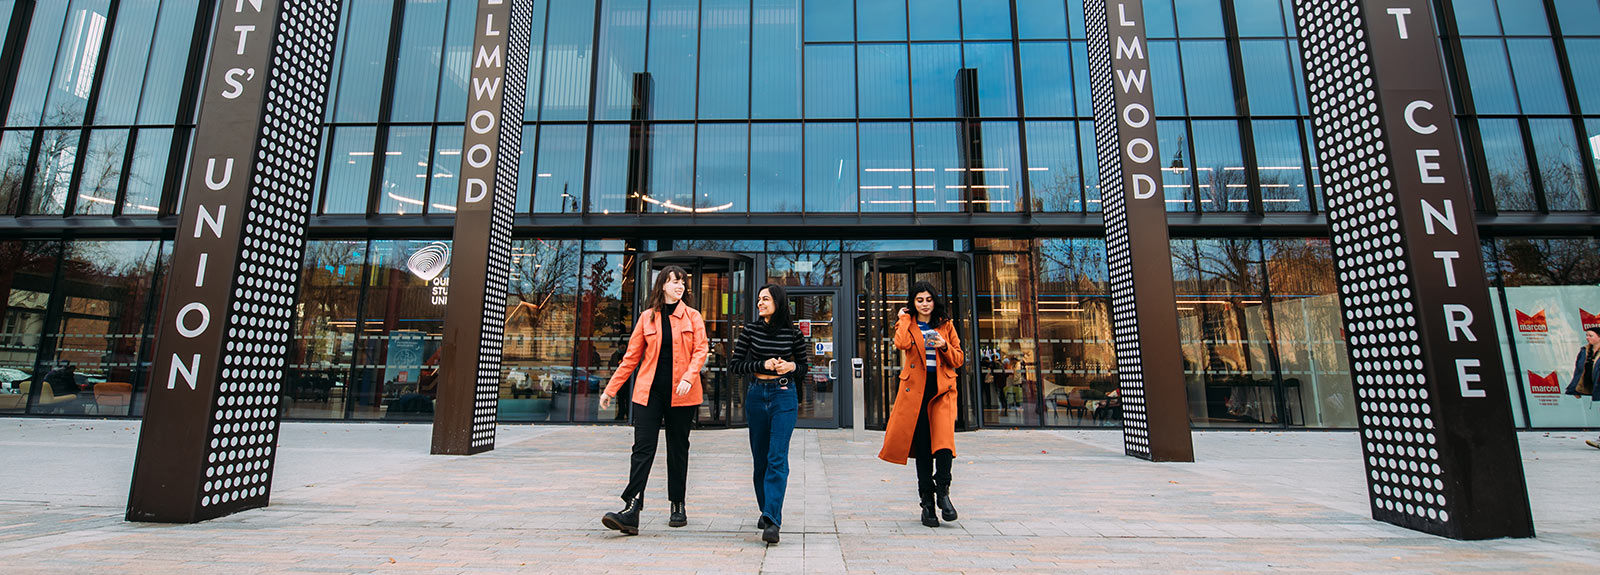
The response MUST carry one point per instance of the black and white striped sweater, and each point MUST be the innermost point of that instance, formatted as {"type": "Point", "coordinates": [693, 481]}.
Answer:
{"type": "Point", "coordinates": [760, 341]}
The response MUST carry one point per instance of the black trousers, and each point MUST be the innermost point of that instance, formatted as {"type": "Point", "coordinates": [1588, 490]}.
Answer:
{"type": "Point", "coordinates": [933, 469]}
{"type": "Point", "coordinates": [647, 423]}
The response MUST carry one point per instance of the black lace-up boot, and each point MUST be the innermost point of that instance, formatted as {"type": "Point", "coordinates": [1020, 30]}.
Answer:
{"type": "Point", "coordinates": [626, 520]}
{"type": "Point", "coordinates": [680, 516]}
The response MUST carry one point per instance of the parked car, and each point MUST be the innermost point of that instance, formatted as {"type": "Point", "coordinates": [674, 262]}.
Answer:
{"type": "Point", "coordinates": [11, 379]}
{"type": "Point", "coordinates": [561, 381]}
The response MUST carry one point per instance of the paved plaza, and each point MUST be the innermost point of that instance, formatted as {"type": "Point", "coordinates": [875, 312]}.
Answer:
{"type": "Point", "coordinates": [366, 498]}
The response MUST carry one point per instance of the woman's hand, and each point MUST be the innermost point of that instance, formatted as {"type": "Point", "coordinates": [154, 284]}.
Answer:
{"type": "Point", "coordinates": [605, 401]}
{"type": "Point", "coordinates": [684, 387]}
{"type": "Point", "coordinates": [903, 312]}
{"type": "Point", "coordinates": [771, 364]}
{"type": "Point", "coordinates": [937, 341]}
{"type": "Point", "coordinates": [784, 367]}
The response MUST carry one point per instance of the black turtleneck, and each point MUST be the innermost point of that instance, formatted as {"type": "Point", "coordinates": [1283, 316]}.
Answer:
{"type": "Point", "coordinates": [661, 388]}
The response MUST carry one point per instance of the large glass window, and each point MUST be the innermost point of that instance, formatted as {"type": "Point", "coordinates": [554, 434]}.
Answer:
{"type": "Point", "coordinates": [349, 170]}
{"type": "Point", "coordinates": [674, 41]}
{"type": "Point", "coordinates": [27, 276]}
{"type": "Point", "coordinates": [671, 169]}
{"type": "Point", "coordinates": [1053, 172]}
{"type": "Point", "coordinates": [986, 19]}
{"type": "Point", "coordinates": [775, 168]}
{"type": "Point", "coordinates": [405, 170]}
{"type": "Point", "coordinates": [1077, 354]}
{"type": "Point", "coordinates": [365, 48]}
{"type": "Point", "coordinates": [1008, 335]}
{"type": "Point", "coordinates": [1555, 148]}
{"type": "Point", "coordinates": [443, 185]}
{"type": "Point", "coordinates": [1533, 61]}
{"type": "Point", "coordinates": [327, 322]}
{"type": "Point", "coordinates": [1222, 322]}
{"type": "Point", "coordinates": [37, 62]}
{"type": "Point", "coordinates": [1177, 165]}
{"type": "Point", "coordinates": [568, 51]}
{"type": "Point", "coordinates": [939, 167]}
{"type": "Point", "coordinates": [397, 354]}
{"type": "Point", "coordinates": [169, 62]}
{"type": "Point", "coordinates": [997, 81]}
{"type": "Point", "coordinates": [935, 19]}
{"type": "Point", "coordinates": [1207, 78]}
{"type": "Point", "coordinates": [605, 320]}
{"type": "Point", "coordinates": [622, 53]}
{"type": "Point", "coordinates": [558, 176]}
{"type": "Point", "coordinates": [994, 181]}
{"type": "Point", "coordinates": [14, 148]}
{"type": "Point", "coordinates": [885, 83]}
{"type": "Point", "coordinates": [1490, 74]}
{"type": "Point", "coordinates": [419, 61]}
{"type": "Point", "coordinates": [1507, 165]}
{"type": "Point", "coordinates": [102, 172]}
{"type": "Point", "coordinates": [611, 185]}
{"type": "Point", "coordinates": [722, 168]}
{"type": "Point", "coordinates": [880, 20]}
{"type": "Point", "coordinates": [1313, 362]}
{"type": "Point", "coordinates": [1219, 167]}
{"type": "Point", "coordinates": [1044, 19]}
{"type": "Point", "coordinates": [125, 63]}
{"type": "Point", "coordinates": [100, 326]}
{"type": "Point", "coordinates": [934, 89]}
{"type": "Point", "coordinates": [775, 84]}
{"type": "Point", "coordinates": [1269, 81]}
{"type": "Point", "coordinates": [52, 176]}
{"type": "Point", "coordinates": [830, 81]}
{"type": "Point", "coordinates": [1047, 79]}
{"type": "Point", "coordinates": [1547, 302]}
{"type": "Point", "coordinates": [1280, 167]}
{"type": "Point", "coordinates": [830, 168]}
{"type": "Point", "coordinates": [147, 172]}
{"type": "Point", "coordinates": [725, 59]}
{"type": "Point", "coordinates": [830, 21]}
{"type": "Point", "coordinates": [537, 372]}
{"type": "Point", "coordinates": [886, 167]}
{"type": "Point", "coordinates": [456, 62]}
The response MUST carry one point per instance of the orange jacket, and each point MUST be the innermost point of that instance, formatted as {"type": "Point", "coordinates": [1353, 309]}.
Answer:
{"type": "Point", "coordinates": [689, 347]}
{"type": "Point", "coordinates": [942, 408]}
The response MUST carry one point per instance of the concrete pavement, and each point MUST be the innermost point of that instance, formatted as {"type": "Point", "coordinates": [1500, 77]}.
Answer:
{"type": "Point", "coordinates": [366, 498]}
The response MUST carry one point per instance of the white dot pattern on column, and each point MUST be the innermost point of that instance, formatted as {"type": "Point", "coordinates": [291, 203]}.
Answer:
{"type": "Point", "coordinates": [1380, 312]}
{"type": "Point", "coordinates": [244, 421]}
{"type": "Point", "coordinates": [486, 397]}
{"type": "Point", "coordinates": [1119, 257]}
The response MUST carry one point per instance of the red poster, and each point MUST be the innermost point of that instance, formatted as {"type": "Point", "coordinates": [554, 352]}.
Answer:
{"type": "Point", "coordinates": [1532, 323]}
{"type": "Point", "coordinates": [805, 327]}
{"type": "Point", "coordinates": [1589, 320]}
{"type": "Point", "coordinates": [1544, 384]}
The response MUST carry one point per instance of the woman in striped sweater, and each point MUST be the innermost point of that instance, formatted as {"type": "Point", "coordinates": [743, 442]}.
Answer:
{"type": "Point", "coordinates": [774, 352]}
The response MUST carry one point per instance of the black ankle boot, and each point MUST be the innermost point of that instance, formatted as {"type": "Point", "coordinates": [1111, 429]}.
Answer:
{"type": "Point", "coordinates": [946, 509]}
{"type": "Point", "coordinates": [626, 520]}
{"type": "Point", "coordinates": [929, 517]}
{"type": "Point", "coordinates": [763, 522]}
{"type": "Point", "coordinates": [680, 516]}
{"type": "Point", "coordinates": [769, 533]}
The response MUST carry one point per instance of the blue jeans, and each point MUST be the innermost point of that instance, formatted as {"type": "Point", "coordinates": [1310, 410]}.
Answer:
{"type": "Point", "coordinates": [771, 410]}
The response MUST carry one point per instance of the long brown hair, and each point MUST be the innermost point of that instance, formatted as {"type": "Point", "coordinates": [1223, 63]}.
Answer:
{"type": "Point", "coordinates": [656, 296]}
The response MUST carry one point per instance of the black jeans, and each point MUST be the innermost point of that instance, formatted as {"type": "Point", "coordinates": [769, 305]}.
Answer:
{"type": "Point", "coordinates": [647, 422]}
{"type": "Point", "coordinates": [928, 478]}
{"type": "Point", "coordinates": [933, 471]}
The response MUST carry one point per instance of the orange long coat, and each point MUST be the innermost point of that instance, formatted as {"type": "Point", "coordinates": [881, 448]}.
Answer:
{"type": "Point", "coordinates": [689, 348]}
{"type": "Point", "coordinates": [942, 408]}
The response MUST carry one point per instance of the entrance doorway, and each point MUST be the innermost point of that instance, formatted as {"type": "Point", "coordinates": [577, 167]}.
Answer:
{"type": "Point", "coordinates": [883, 281]}
{"type": "Point", "coordinates": [815, 313]}
{"type": "Point", "coordinates": [719, 288]}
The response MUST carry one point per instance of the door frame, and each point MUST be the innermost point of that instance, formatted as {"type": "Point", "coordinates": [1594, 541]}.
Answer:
{"type": "Point", "coordinates": [843, 350]}
{"type": "Point", "coordinates": [738, 314]}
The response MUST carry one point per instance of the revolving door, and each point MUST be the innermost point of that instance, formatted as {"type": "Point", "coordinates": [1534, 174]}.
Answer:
{"type": "Point", "coordinates": [882, 283]}
{"type": "Point", "coordinates": [719, 288]}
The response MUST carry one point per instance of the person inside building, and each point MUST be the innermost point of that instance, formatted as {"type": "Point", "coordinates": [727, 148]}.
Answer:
{"type": "Point", "coordinates": [774, 352]}
{"type": "Point", "coordinates": [922, 423]}
{"type": "Point", "coordinates": [667, 349]}
{"type": "Point", "coordinates": [1586, 377]}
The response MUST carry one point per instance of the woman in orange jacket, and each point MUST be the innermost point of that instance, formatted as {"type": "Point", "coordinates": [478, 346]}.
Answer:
{"type": "Point", "coordinates": [922, 423]}
{"type": "Point", "coordinates": [667, 349]}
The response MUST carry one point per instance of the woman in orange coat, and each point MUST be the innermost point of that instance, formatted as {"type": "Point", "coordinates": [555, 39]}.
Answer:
{"type": "Point", "coordinates": [922, 424]}
{"type": "Point", "coordinates": [667, 349]}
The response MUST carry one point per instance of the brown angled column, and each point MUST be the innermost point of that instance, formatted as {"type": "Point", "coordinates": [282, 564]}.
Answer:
{"type": "Point", "coordinates": [1144, 314]}
{"type": "Point", "coordinates": [480, 267]}
{"type": "Point", "coordinates": [1438, 443]}
{"type": "Point", "coordinates": [210, 432]}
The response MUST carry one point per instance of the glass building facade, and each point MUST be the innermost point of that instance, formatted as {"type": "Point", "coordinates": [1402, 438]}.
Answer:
{"type": "Point", "coordinates": [833, 146]}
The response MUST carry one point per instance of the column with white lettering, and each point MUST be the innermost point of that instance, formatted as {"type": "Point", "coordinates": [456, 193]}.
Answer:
{"type": "Point", "coordinates": [1144, 317]}
{"type": "Point", "coordinates": [1439, 444]}
{"type": "Point", "coordinates": [480, 267]}
{"type": "Point", "coordinates": [210, 430]}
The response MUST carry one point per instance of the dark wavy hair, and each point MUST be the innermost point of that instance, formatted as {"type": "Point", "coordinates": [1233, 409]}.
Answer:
{"type": "Point", "coordinates": [781, 318]}
{"type": "Point", "coordinates": [656, 296]}
{"type": "Point", "coordinates": [941, 312]}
